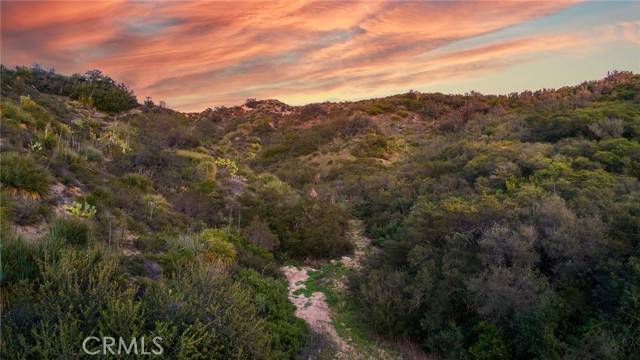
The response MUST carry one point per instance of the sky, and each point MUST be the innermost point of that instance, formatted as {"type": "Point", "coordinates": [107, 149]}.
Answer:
{"type": "Point", "coordinates": [195, 55]}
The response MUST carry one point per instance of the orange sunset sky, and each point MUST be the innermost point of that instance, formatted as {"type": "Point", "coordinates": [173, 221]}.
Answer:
{"type": "Point", "coordinates": [196, 55]}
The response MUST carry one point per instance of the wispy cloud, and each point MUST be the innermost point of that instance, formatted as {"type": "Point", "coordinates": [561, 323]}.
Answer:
{"type": "Point", "coordinates": [199, 54]}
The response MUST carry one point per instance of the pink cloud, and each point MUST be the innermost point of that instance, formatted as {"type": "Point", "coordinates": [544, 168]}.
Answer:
{"type": "Point", "coordinates": [198, 54]}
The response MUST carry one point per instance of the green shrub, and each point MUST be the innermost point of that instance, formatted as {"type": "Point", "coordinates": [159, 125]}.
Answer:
{"type": "Point", "coordinates": [306, 141]}
{"type": "Point", "coordinates": [380, 107]}
{"type": "Point", "coordinates": [19, 260]}
{"type": "Point", "coordinates": [376, 146]}
{"type": "Point", "coordinates": [209, 313]}
{"type": "Point", "coordinates": [137, 181]}
{"type": "Point", "coordinates": [6, 205]}
{"type": "Point", "coordinates": [11, 111]}
{"type": "Point", "coordinates": [70, 230]}
{"type": "Point", "coordinates": [37, 112]}
{"type": "Point", "coordinates": [285, 332]}
{"type": "Point", "coordinates": [151, 243]}
{"type": "Point", "coordinates": [22, 175]}
{"type": "Point", "coordinates": [66, 163]}
{"type": "Point", "coordinates": [320, 234]}
{"type": "Point", "coordinates": [99, 90]}
{"type": "Point", "coordinates": [218, 249]}
{"type": "Point", "coordinates": [80, 288]}
{"type": "Point", "coordinates": [91, 153]}
{"type": "Point", "coordinates": [198, 311]}
{"type": "Point", "coordinates": [183, 249]}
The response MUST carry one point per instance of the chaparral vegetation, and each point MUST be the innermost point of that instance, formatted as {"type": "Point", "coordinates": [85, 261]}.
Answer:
{"type": "Point", "coordinates": [501, 226]}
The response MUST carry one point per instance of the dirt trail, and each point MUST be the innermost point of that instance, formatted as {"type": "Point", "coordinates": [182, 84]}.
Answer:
{"type": "Point", "coordinates": [361, 245]}
{"type": "Point", "coordinates": [314, 310]}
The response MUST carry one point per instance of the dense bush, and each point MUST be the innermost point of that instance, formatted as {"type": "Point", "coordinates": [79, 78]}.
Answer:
{"type": "Point", "coordinates": [305, 227]}
{"type": "Point", "coordinates": [93, 88]}
{"type": "Point", "coordinates": [502, 246]}
{"type": "Point", "coordinates": [285, 332]}
{"type": "Point", "coordinates": [199, 310]}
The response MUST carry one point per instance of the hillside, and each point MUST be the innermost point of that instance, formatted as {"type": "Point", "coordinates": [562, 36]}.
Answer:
{"type": "Point", "coordinates": [500, 226]}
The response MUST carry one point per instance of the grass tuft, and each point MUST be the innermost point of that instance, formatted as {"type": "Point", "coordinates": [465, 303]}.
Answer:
{"type": "Point", "coordinates": [22, 175]}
